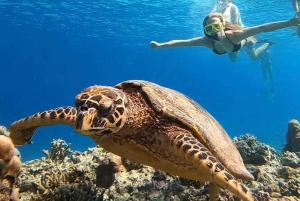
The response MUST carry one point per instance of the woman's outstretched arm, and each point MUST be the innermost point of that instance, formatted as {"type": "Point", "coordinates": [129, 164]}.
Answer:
{"type": "Point", "coordinates": [199, 41]}
{"type": "Point", "coordinates": [239, 35]}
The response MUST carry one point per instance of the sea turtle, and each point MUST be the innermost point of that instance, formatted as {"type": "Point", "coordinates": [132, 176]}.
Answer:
{"type": "Point", "coordinates": [151, 125]}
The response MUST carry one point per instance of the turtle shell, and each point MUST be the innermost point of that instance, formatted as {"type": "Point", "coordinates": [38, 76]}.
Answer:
{"type": "Point", "coordinates": [179, 108]}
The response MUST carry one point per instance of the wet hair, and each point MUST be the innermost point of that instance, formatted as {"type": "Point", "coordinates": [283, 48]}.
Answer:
{"type": "Point", "coordinates": [214, 15]}
{"type": "Point", "coordinates": [227, 25]}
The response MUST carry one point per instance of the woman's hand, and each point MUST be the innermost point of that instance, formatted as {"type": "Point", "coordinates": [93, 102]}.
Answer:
{"type": "Point", "coordinates": [296, 19]}
{"type": "Point", "coordinates": [154, 44]}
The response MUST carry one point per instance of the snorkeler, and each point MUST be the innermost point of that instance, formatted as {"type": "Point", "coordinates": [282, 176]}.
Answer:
{"type": "Point", "coordinates": [224, 37]}
{"type": "Point", "coordinates": [295, 4]}
{"type": "Point", "coordinates": [232, 14]}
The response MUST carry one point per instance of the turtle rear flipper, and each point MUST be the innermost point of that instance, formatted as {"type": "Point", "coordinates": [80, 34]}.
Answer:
{"type": "Point", "coordinates": [195, 152]}
{"type": "Point", "coordinates": [22, 130]}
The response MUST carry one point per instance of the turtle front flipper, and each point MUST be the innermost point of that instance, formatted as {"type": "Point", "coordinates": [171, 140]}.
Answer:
{"type": "Point", "coordinates": [195, 152]}
{"type": "Point", "coordinates": [21, 131]}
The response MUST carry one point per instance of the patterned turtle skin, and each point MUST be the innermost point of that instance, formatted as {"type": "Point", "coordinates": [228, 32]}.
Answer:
{"type": "Point", "coordinates": [151, 125]}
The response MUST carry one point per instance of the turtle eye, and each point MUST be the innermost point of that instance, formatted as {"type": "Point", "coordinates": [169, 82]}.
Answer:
{"type": "Point", "coordinates": [84, 108]}
{"type": "Point", "coordinates": [119, 101]}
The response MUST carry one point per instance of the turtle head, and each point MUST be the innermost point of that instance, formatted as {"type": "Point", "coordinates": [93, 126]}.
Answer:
{"type": "Point", "coordinates": [100, 110]}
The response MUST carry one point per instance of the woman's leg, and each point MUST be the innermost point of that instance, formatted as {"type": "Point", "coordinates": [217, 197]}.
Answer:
{"type": "Point", "coordinates": [266, 64]}
{"type": "Point", "coordinates": [255, 53]}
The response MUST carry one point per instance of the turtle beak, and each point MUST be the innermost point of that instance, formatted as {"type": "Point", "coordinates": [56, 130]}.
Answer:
{"type": "Point", "coordinates": [83, 123]}
{"type": "Point", "coordinates": [79, 122]}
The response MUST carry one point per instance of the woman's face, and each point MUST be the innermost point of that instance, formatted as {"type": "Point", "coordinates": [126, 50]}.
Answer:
{"type": "Point", "coordinates": [213, 28]}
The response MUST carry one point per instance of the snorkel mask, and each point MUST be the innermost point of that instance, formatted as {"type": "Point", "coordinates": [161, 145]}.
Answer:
{"type": "Point", "coordinates": [211, 30]}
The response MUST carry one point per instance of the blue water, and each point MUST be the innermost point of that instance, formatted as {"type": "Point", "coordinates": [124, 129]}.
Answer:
{"type": "Point", "coordinates": [51, 51]}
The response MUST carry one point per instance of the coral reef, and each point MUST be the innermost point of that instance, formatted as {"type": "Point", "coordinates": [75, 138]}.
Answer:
{"type": "Point", "coordinates": [96, 175]}
{"type": "Point", "coordinates": [3, 131]}
{"type": "Point", "coordinates": [7, 190]}
{"type": "Point", "coordinates": [59, 150]}
{"type": "Point", "coordinates": [253, 151]}
{"type": "Point", "coordinates": [293, 136]}
{"type": "Point", "coordinates": [69, 178]}
{"type": "Point", "coordinates": [10, 167]}
{"type": "Point", "coordinates": [289, 159]}
{"type": "Point", "coordinates": [6, 154]}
